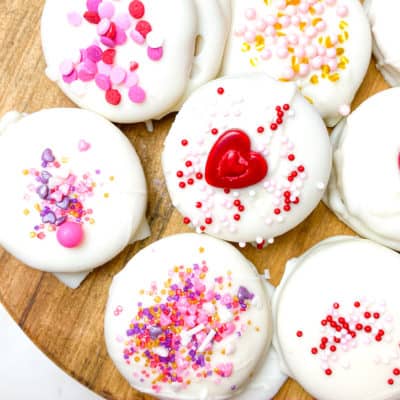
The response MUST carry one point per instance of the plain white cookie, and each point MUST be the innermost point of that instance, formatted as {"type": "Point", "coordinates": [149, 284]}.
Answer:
{"type": "Point", "coordinates": [364, 187]}
{"type": "Point", "coordinates": [336, 315]}
{"type": "Point", "coordinates": [317, 44]}
{"type": "Point", "coordinates": [158, 83]}
{"type": "Point", "coordinates": [222, 141]}
{"type": "Point", "coordinates": [68, 166]}
{"type": "Point", "coordinates": [193, 324]}
{"type": "Point", "coordinates": [383, 16]}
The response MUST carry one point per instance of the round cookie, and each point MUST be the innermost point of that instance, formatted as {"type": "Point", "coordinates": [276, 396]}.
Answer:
{"type": "Point", "coordinates": [194, 323]}
{"type": "Point", "coordinates": [314, 43]}
{"type": "Point", "coordinates": [385, 31]}
{"type": "Point", "coordinates": [129, 61]}
{"type": "Point", "coordinates": [336, 320]}
{"type": "Point", "coordinates": [246, 159]}
{"type": "Point", "coordinates": [74, 192]}
{"type": "Point", "coordinates": [364, 187]}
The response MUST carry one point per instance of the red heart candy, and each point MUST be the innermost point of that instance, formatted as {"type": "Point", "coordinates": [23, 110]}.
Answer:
{"type": "Point", "coordinates": [232, 165]}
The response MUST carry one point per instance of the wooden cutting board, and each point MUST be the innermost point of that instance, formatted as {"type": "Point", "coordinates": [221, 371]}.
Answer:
{"type": "Point", "coordinates": [68, 324]}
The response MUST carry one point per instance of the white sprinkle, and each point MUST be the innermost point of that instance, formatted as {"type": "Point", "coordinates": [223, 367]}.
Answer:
{"type": "Point", "coordinates": [252, 193]}
{"type": "Point", "coordinates": [160, 351]}
{"type": "Point", "coordinates": [320, 186]}
{"type": "Point", "coordinates": [230, 348]}
{"type": "Point", "coordinates": [242, 245]}
{"type": "Point", "coordinates": [235, 194]}
{"type": "Point", "coordinates": [149, 126]}
{"type": "Point", "coordinates": [270, 241]}
{"type": "Point", "coordinates": [206, 341]}
{"type": "Point", "coordinates": [268, 221]}
{"type": "Point", "coordinates": [259, 240]}
{"type": "Point", "coordinates": [267, 274]}
{"type": "Point", "coordinates": [225, 315]}
{"type": "Point", "coordinates": [279, 218]}
{"type": "Point", "coordinates": [344, 110]}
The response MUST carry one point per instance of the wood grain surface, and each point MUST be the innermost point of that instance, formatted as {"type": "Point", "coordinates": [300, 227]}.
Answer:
{"type": "Point", "coordinates": [68, 324]}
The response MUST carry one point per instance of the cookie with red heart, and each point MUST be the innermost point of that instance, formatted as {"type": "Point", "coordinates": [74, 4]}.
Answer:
{"type": "Point", "coordinates": [247, 159]}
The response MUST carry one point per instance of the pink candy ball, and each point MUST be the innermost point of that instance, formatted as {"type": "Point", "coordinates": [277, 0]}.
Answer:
{"type": "Point", "coordinates": [70, 234]}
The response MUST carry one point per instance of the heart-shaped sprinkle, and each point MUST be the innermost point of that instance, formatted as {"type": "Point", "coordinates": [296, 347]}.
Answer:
{"type": "Point", "coordinates": [64, 203]}
{"type": "Point", "coordinates": [49, 218]}
{"type": "Point", "coordinates": [42, 191]}
{"type": "Point", "coordinates": [83, 145]}
{"type": "Point", "coordinates": [48, 156]}
{"type": "Point", "coordinates": [45, 176]}
{"type": "Point", "coordinates": [232, 165]}
{"type": "Point", "coordinates": [244, 294]}
{"type": "Point", "coordinates": [60, 220]}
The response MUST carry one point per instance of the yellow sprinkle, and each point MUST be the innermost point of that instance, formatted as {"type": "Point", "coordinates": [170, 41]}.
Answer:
{"type": "Point", "coordinates": [106, 195]}
{"type": "Point", "coordinates": [341, 39]}
{"type": "Point", "coordinates": [342, 65]}
{"type": "Point", "coordinates": [245, 47]}
{"type": "Point", "coordinates": [248, 322]}
{"type": "Point", "coordinates": [315, 21]}
{"type": "Point", "coordinates": [280, 33]}
{"type": "Point", "coordinates": [334, 77]}
{"type": "Point", "coordinates": [64, 160]}
{"type": "Point", "coordinates": [320, 40]}
{"type": "Point", "coordinates": [325, 70]}
{"type": "Point", "coordinates": [344, 59]}
{"type": "Point", "coordinates": [260, 43]}
{"type": "Point", "coordinates": [188, 270]}
{"type": "Point", "coordinates": [111, 178]}
{"type": "Point", "coordinates": [294, 59]}
{"type": "Point", "coordinates": [278, 26]}
{"type": "Point", "coordinates": [32, 235]}
{"type": "Point", "coordinates": [339, 51]}
{"type": "Point", "coordinates": [201, 249]}
{"type": "Point", "coordinates": [309, 99]}
{"type": "Point", "coordinates": [302, 25]}
{"type": "Point", "coordinates": [346, 35]}
{"type": "Point", "coordinates": [26, 211]}
{"type": "Point", "coordinates": [257, 329]}
{"type": "Point", "coordinates": [223, 351]}
{"type": "Point", "coordinates": [290, 50]}
{"type": "Point", "coordinates": [296, 68]}
{"type": "Point", "coordinates": [25, 172]}
{"type": "Point", "coordinates": [311, 10]}
{"type": "Point", "coordinates": [328, 42]}
{"type": "Point", "coordinates": [254, 61]}
{"type": "Point", "coordinates": [137, 359]}
{"type": "Point", "coordinates": [267, 2]}
{"type": "Point", "coordinates": [94, 184]}
{"type": "Point", "coordinates": [91, 221]}
{"type": "Point", "coordinates": [283, 80]}
{"type": "Point", "coordinates": [314, 80]}
{"type": "Point", "coordinates": [157, 299]}
{"type": "Point", "coordinates": [343, 25]}
{"type": "Point", "coordinates": [37, 207]}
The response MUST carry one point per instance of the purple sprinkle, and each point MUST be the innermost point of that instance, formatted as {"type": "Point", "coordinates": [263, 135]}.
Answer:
{"type": "Point", "coordinates": [64, 204]}
{"type": "Point", "coordinates": [50, 218]}
{"type": "Point", "coordinates": [45, 176]}
{"type": "Point", "coordinates": [48, 156]}
{"type": "Point", "coordinates": [155, 332]}
{"type": "Point", "coordinates": [60, 220]}
{"type": "Point", "coordinates": [244, 294]}
{"type": "Point", "coordinates": [42, 191]}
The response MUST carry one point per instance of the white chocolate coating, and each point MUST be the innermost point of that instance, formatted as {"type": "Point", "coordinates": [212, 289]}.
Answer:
{"type": "Point", "coordinates": [164, 81]}
{"type": "Point", "coordinates": [214, 24]}
{"type": "Point", "coordinates": [291, 51]}
{"type": "Point", "coordinates": [267, 378]}
{"type": "Point", "coordinates": [113, 212]}
{"type": "Point", "coordinates": [383, 16]}
{"type": "Point", "coordinates": [248, 103]}
{"type": "Point", "coordinates": [364, 189]}
{"type": "Point", "coordinates": [352, 281]}
{"type": "Point", "coordinates": [223, 271]}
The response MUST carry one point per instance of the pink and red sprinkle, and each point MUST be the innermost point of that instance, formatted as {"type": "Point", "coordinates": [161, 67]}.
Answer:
{"type": "Point", "coordinates": [111, 32]}
{"type": "Point", "coordinates": [185, 303]}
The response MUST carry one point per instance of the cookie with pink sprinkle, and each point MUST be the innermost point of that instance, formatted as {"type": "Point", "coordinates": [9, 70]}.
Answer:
{"type": "Point", "coordinates": [247, 159]}
{"type": "Point", "coordinates": [74, 191]}
{"type": "Point", "coordinates": [322, 45]}
{"type": "Point", "coordinates": [133, 60]}
{"type": "Point", "coordinates": [336, 315]}
{"type": "Point", "coordinates": [194, 324]}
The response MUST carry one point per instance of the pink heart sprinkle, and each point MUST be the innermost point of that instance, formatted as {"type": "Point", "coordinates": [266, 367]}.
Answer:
{"type": "Point", "coordinates": [103, 82]}
{"type": "Point", "coordinates": [155, 54]}
{"type": "Point", "coordinates": [132, 79]}
{"type": "Point", "coordinates": [66, 67]}
{"type": "Point", "coordinates": [117, 75]}
{"type": "Point", "coordinates": [137, 94]}
{"type": "Point", "coordinates": [93, 5]}
{"type": "Point", "coordinates": [123, 21]}
{"type": "Point", "coordinates": [83, 145]}
{"type": "Point", "coordinates": [103, 26]}
{"type": "Point", "coordinates": [120, 37]}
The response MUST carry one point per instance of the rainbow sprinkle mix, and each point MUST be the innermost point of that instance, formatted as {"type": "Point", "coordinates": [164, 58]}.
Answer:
{"type": "Point", "coordinates": [60, 196]}
{"type": "Point", "coordinates": [175, 337]}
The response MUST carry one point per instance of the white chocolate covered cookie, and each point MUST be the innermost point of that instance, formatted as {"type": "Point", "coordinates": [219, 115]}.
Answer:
{"type": "Point", "coordinates": [364, 189]}
{"type": "Point", "coordinates": [324, 46]}
{"type": "Point", "coordinates": [383, 16]}
{"type": "Point", "coordinates": [74, 191]}
{"type": "Point", "coordinates": [247, 159]}
{"type": "Point", "coordinates": [132, 60]}
{"type": "Point", "coordinates": [189, 318]}
{"type": "Point", "coordinates": [337, 325]}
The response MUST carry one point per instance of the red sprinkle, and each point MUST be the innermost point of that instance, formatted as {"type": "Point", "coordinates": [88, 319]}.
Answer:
{"type": "Point", "coordinates": [113, 97]}
{"type": "Point", "coordinates": [396, 371]}
{"type": "Point", "coordinates": [273, 127]}
{"type": "Point", "coordinates": [390, 381]}
{"type": "Point", "coordinates": [108, 56]}
{"type": "Point", "coordinates": [143, 27]}
{"type": "Point", "coordinates": [260, 129]}
{"type": "Point", "coordinates": [136, 9]}
{"type": "Point", "coordinates": [184, 142]}
{"type": "Point", "coordinates": [182, 185]}
{"type": "Point", "coordinates": [357, 304]}
{"type": "Point", "coordinates": [328, 371]}
{"type": "Point", "coordinates": [208, 221]}
{"type": "Point", "coordinates": [186, 220]}
{"type": "Point", "coordinates": [92, 17]}
{"type": "Point", "coordinates": [286, 107]}
{"type": "Point", "coordinates": [299, 333]}
{"type": "Point", "coordinates": [214, 131]}
{"type": "Point", "coordinates": [291, 157]}
{"type": "Point", "coordinates": [220, 90]}
{"type": "Point", "coordinates": [314, 350]}
{"type": "Point", "coordinates": [112, 31]}
{"type": "Point", "coordinates": [236, 217]}
{"type": "Point", "coordinates": [179, 174]}
{"type": "Point", "coordinates": [199, 175]}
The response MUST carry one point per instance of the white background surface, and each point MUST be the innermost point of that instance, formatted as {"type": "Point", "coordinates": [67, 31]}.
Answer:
{"type": "Point", "coordinates": [26, 373]}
